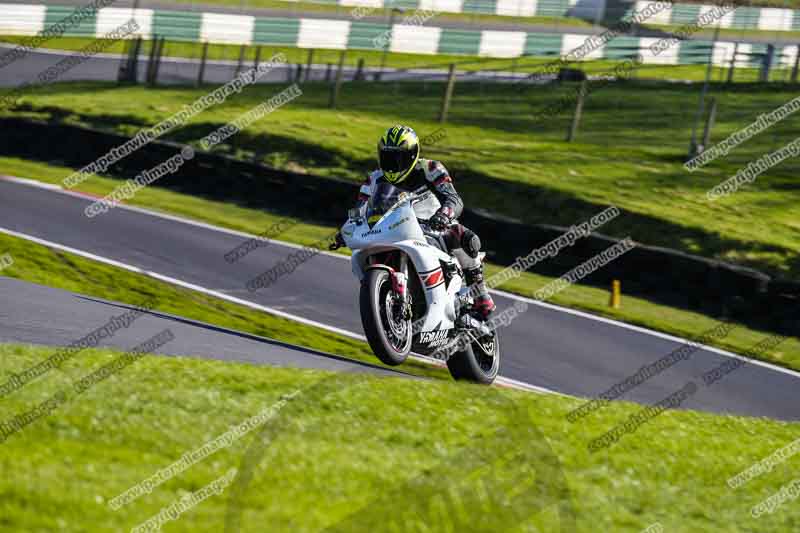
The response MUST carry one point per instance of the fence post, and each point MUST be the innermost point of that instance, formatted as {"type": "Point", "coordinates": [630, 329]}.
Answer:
{"type": "Point", "coordinates": [337, 86]}
{"type": "Point", "coordinates": [359, 75]}
{"type": "Point", "coordinates": [159, 54]}
{"type": "Point", "coordinates": [129, 66]}
{"type": "Point", "coordinates": [257, 60]}
{"type": "Point", "coordinates": [151, 60]}
{"type": "Point", "coordinates": [766, 63]}
{"type": "Point", "coordinates": [125, 63]}
{"type": "Point", "coordinates": [712, 115]}
{"type": "Point", "coordinates": [328, 73]}
{"type": "Point", "coordinates": [298, 73]}
{"type": "Point", "coordinates": [448, 93]}
{"type": "Point", "coordinates": [135, 60]}
{"type": "Point", "coordinates": [309, 63]}
{"type": "Point", "coordinates": [240, 63]}
{"type": "Point", "coordinates": [796, 64]}
{"type": "Point", "coordinates": [576, 118]}
{"type": "Point", "coordinates": [733, 62]}
{"type": "Point", "coordinates": [202, 70]}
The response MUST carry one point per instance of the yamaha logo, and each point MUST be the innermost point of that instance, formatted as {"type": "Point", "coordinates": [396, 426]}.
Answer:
{"type": "Point", "coordinates": [433, 338]}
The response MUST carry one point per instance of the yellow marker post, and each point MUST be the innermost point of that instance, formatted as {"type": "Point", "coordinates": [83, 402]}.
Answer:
{"type": "Point", "coordinates": [616, 292]}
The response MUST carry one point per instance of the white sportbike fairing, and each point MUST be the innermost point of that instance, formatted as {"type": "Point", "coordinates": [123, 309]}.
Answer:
{"type": "Point", "coordinates": [412, 293]}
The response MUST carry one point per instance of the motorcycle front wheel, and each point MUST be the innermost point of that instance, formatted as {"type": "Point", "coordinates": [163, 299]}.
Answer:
{"type": "Point", "coordinates": [388, 334]}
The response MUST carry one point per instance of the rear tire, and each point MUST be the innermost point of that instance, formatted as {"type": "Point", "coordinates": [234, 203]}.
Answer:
{"type": "Point", "coordinates": [472, 364]}
{"type": "Point", "coordinates": [391, 348]}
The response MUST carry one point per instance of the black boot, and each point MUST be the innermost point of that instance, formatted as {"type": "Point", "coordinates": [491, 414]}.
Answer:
{"type": "Point", "coordinates": [483, 305]}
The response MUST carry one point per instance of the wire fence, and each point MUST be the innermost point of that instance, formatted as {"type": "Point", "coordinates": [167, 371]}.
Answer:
{"type": "Point", "coordinates": [735, 63]}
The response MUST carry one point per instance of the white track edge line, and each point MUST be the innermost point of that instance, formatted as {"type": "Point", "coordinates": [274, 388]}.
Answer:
{"type": "Point", "coordinates": [574, 312]}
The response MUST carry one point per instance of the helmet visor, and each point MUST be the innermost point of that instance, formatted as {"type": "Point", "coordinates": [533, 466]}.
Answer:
{"type": "Point", "coordinates": [397, 161]}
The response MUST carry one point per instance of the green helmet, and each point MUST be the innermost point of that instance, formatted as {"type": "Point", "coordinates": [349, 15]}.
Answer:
{"type": "Point", "coordinates": [398, 152]}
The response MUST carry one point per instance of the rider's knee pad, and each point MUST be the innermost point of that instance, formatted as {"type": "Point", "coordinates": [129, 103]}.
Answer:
{"type": "Point", "coordinates": [471, 243]}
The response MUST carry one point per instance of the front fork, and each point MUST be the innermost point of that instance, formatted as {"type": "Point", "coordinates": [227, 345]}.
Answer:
{"type": "Point", "coordinates": [400, 288]}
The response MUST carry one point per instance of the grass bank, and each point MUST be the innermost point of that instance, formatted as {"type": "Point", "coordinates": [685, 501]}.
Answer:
{"type": "Point", "coordinates": [354, 453]}
{"type": "Point", "coordinates": [507, 157]}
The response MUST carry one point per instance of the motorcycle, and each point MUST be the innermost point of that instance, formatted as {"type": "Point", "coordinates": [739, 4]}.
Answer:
{"type": "Point", "coordinates": [412, 296]}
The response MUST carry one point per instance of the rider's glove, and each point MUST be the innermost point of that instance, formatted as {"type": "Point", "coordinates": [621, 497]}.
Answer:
{"type": "Point", "coordinates": [337, 243]}
{"type": "Point", "coordinates": [440, 220]}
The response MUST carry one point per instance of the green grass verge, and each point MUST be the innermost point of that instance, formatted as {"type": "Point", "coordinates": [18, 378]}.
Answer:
{"type": "Point", "coordinates": [367, 451]}
{"type": "Point", "coordinates": [506, 158]}
{"type": "Point", "coordinates": [634, 310]}
{"type": "Point", "coordinates": [38, 264]}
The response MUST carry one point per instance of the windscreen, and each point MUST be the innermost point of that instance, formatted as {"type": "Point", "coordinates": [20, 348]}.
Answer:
{"type": "Point", "coordinates": [383, 198]}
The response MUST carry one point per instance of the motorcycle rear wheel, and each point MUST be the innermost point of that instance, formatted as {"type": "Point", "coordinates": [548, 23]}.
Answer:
{"type": "Point", "coordinates": [389, 336]}
{"type": "Point", "coordinates": [472, 364]}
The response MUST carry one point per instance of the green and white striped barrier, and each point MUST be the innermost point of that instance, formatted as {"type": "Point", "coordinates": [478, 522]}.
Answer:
{"type": "Point", "coordinates": [742, 18]}
{"type": "Point", "coordinates": [344, 34]}
{"type": "Point", "coordinates": [753, 18]}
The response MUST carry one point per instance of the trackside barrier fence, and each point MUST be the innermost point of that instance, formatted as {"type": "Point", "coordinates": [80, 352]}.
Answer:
{"type": "Point", "coordinates": [348, 34]}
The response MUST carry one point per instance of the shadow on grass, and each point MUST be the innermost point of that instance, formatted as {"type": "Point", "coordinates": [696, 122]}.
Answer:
{"type": "Point", "coordinates": [531, 203]}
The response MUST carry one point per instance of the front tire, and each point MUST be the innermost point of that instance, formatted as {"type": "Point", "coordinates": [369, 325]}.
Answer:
{"type": "Point", "coordinates": [473, 364]}
{"type": "Point", "coordinates": [389, 336]}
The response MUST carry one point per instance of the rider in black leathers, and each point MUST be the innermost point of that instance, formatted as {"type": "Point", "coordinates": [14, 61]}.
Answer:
{"type": "Point", "coordinates": [398, 154]}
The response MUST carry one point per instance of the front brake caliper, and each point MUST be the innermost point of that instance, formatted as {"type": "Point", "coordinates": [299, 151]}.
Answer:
{"type": "Point", "coordinates": [400, 290]}
{"type": "Point", "coordinates": [399, 283]}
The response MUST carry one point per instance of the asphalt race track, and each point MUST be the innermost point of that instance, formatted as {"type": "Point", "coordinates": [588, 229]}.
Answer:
{"type": "Point", "coordinates": [549, 347]}
{"type": "Point", "coordinates": [32, 314]}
